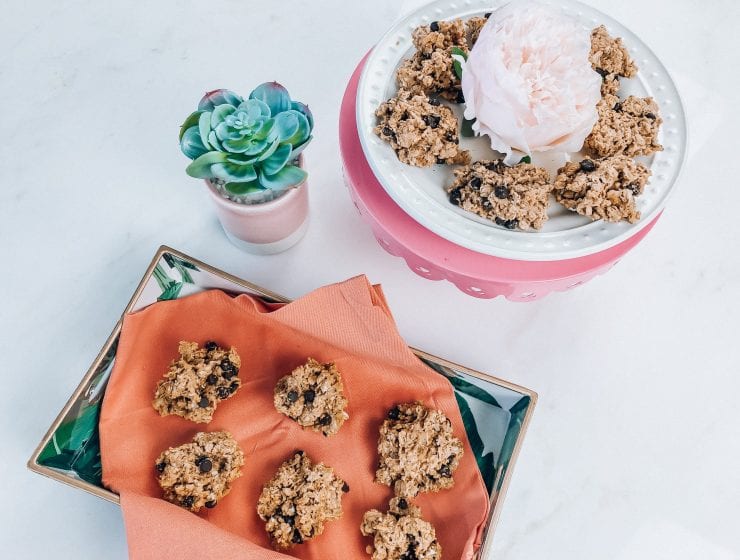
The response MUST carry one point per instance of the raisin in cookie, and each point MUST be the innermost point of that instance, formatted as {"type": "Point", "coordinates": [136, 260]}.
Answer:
{"type": "Point", "coordinates": [197, 381]}
{"type": "Point", "coordinates": [628, 127]}
{"type": "Point", "coordinates": [603, 188]}
{"type": "Point", "coordinates": [418, 451]}
{"type": "Point", "coordinates": [512, 197]}
{"type": "Point", "coordinates": [400, 534]}
{"type": "Point", "coordinates": [313, 396]}
{"type": "Point", "coordinates": [200, 473]}
{"type": "Point", "coordinates": [610, 59]}
{"type": "Point", "coordinates": [420, 130]}
{"type": "Point", "coordinates": [297, 502]}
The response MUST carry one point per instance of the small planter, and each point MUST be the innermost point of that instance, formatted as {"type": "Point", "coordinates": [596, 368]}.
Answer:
{"type": "Point", "coordinates": [266, 228]}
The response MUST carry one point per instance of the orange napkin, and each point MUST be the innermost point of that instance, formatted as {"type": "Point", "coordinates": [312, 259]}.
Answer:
{"type": "Point", "coordinates": [348, 323]}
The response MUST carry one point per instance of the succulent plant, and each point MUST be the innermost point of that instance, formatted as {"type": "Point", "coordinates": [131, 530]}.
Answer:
{"type": "Point", "coordinates": [249, 145]}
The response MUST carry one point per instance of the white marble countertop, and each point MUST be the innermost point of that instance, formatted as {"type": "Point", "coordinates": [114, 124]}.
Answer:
{"type": "Point", "coordinates": [634, 449]}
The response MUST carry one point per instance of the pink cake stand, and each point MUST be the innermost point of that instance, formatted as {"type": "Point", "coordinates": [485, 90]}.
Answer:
{"type": "Point", "coordinates": [435, 258]}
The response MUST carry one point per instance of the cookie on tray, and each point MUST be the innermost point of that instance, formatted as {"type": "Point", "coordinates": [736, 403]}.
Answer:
{"type": "Point", "coordinates": [473, 27]}
{"type": "Point", "coordinates": [440, 35]}
{"type": "Point", "coordinates": [512, 197]}
{"type": "Point", "coordinates": [197, 381]}
{"type": "Point", "coordinates": [298, 501]}
{"type": "Point", "coordinates": [420, 130]}
{"type": "Point", "coordinates": [628, 127]}
{"type": "Point", "coordinates": [313, 396]}
{"type": "Point", "coordinates": [603, 188]}
{"type": "Point", "coordinates": [417, 450]}
{"type": "Point", "coordinates": [200, 474]}
{"type": "Point", "coordinates": [400, 534]}
{"type": "Point", "coordinates": [610, 59]}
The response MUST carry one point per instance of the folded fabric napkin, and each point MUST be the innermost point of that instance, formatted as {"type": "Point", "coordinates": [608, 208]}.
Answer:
{"type": "Point", "coordinates": [347, 323]}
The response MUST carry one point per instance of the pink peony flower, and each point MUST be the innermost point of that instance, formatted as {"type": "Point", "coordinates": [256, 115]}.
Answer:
{"type": "Point", "coordinates": [528, 82]}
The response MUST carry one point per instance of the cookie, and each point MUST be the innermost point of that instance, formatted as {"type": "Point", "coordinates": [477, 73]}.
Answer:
{"type": "Point", "coordinates": [628, 127]}
{"type": "Point", "coordinates": [420, 130]}
{"type": "Point", "coordinates": [197, 381]}
{"type": "Point", "coordinates": [297, 502]}
{"type": "Point", "coordinates": [512, 197]}
{"type": "Point", "coordinates": [610, 59]}
{"type": "Point", "coordinates": [200, 473]}
{"type": "Point", "coordinates": [430, 74]}
{"type": "Point", "coordinates": [603, 188]}
{"type": "Point", "coordinates": [417, 450]}
{"type": "Point", "coordinates": [473, 27]}
{"type": "Point", "coordinates": [400, 534]}
{"type": "Point", "coordinates": [440, 35]}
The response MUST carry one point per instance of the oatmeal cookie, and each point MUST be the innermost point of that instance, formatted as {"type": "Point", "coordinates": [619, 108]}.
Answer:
{"type": "Point", "coordinates": [512, 197]}
{"type": "Point", "coordinates": [473, 27]}
{"type": "Point", "coordinates": [603, 188]}
{"type": "Point", "coordinates": [440, 35]}
{"type": "Point", "coordinates": [610, 59]}
{"type": "Point", "coordinates": [200, 473]}
{"type": "Point", "coordinates": [430, 74]}
{"type": "Point", "coordinates": [313, 396]}
{"type": "Point", "coordinates": [417, 450]}
{"type": "Point", "coordinates": [197, 381]}
{"type": "Point", "coordinates": [420, 130]}
{"type": "Point", "coordinates": [628, 127]}
{"type": "Point", "coordinates": [297, 502]}
{"type": "Point", "coordinates": [400, 534]}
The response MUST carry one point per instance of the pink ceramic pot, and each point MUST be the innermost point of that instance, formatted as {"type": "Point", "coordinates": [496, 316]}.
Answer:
{"type": "Point", "coordinates": [266, 228]}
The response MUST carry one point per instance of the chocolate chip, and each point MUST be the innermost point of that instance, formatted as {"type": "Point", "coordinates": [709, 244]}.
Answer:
{"type": "Point", "coordinates": [432, 121]}
{"type": "Point", "coordinates": [634, 188]}
{"type": "Point", "coordinates": [475, 183]}
{"type": "Point", "coordinates": [441, 160]}
{"type": "Point", "coordinates": [588, 165]}
{"type": "Point", "coordinates": [618, 107]}
{"type": "Point", "coordinates": [211, 346]}
{"type": "Point", "coordinates": [212, 379]}
{"type": "Point", "coordinates": [455, 197]}
{"type": "Point", "coordinates": [487, 203]}
{"type": "Point", "coordinates": [204, 464]}
{"type": "Point", "coordinates": [460, 97]}
{"type": "Point", "coordinates": [309, 396]}
{"type": "Point", "coordinates": [603, 73]}
{"type": "Point", "coordinates": [345, 487]}
{"type": "Point", "coordinates": [434, 102]}
{"type": "Point", "coordinates": [222, 392]}
{"type": "Point", "coordinates": [394, 413]}
{"type": "Point", "coordinates": [388, 131]}
{"type": "Point", "coordinates": [500, 191]}
{"type": "Point", "coordinates": [292, 396]}
{"type": "Point", "coordinates": [434, 26]}
{"type": "Point", "coordinates": [444, 470]}
{"type": "Point", "coordinates": [188, 501]}
{"type": "Point", "coordinates": [228, 374]}
{"type": "Point", "coordinates": [487, 15]}
{"type": "Point", "coordinates": [494, 166]}
{"type": "Point", "coordinates": [297, 537]}
{"type": "Point", "coordinates": [226, 364]}
{"type": "Point", "coordinates": [233, 387]}
{"type": "Point", "coordinates": [211, 504]}
{"type": "Point", "coordinates": [161, 467]}
{"type": "Point", "coordinates": [204, 402]}
{"type": "Point", "coordinates": [325, 419]}
{"type": "Point", "coordinates": [299, 452]}
{"type": "Point", "coordinates": [402, 503]}
{"type": "Point", "coordinates": [289, 519]}
{"type": "Point", "coordinates": [508, 224]}
{"type": "Point", "coordinates": [651, 116]}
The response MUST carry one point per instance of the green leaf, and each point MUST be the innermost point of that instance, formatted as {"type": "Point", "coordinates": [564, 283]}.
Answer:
{"type": "Point", "coordinates": [161, 277]}
{"type": "Point", "coordinates": [486, 463]}
{"type": "Point", "coordinates": [287, 125]}
{"type": "Point", "coordinates": [243, 188]}
{"type": "Point", "coordinates": [204, 127]}
{"type": "Point", "coordinates": [518, 411]}
{"type": "Point", "coordinates": [191, 144]}
{"type": "Point", "coordinates": [172, 292]}
{"type": "Point", "coordinates": [466, 129]}
{"type": "Point", "coordinates": [182, 262]}
{"type": "Point", "coordinates": [303, 108]}
{"type": "Point", "coordinates": [220, 113]}
{"type": "Point", "coordinates": [232, 172]}
{"type": "Point", "coordinates": [457, 54]}
{"type": "Point", "coordinates": [192, 120]}
{"type": "Point", "coordinates": [274, 95]}
{"type": "Point", "coordinates": [269, 151]}
{"type": "Point", "coordinates": [288, 176]}
{"type": "Point", "coordinates": [277, 161]}
{"type": "Point", "coordinates": [298, 150]}
{"type": "Point", "coordinates": [474, 391]}
{"type": "Point", "coordinates": [201, 167]}
{"type": "Point", "coordinates": [526, 159]}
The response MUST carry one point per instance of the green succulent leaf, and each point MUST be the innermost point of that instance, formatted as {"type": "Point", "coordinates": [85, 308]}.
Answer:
{"type": "Point", "coordinates": [241, 159]}
{"type": "Point", "coordinates": [266, 131]}
{"type": "Point", "coordinates": [298, 150]}
{"type": "Point", "coordinates": [245, 145]}
{"type": "Point", "coordinates": [227, 171]}
{"type": "Point", "coordinates": [303, 132]}
{"type": "Point", "coordinates": [269, 151]}
{"type": "Point", "coordinates": [274, 95]}
{"type": "Point", "coordinates": [201, 167]}
{"type": "Point", "coordinates": [277, 160]}
{"type": "Point", "coordinates": [255, 108]}
{"type": "Point", "coordinates": [217, 97]}
{"type": "Point", "coordinates": [192, 120]}
{"type": "Point", "coordinates": [204, 126]}
{"type": "Point", "coordinates": [303, 108]}
{"type": "Point", "coordinates": [288, 176]}
{"type": "Point", "coordinates": [191, 144]}
{"type": "Point", "coordinates": [220, 113]}
{"type": "Point", "coordinates": [287, 125]}
{"type": "Point", "coordinates": [215, 142]}
{"type": "Point", "coordinates": [243, 188]}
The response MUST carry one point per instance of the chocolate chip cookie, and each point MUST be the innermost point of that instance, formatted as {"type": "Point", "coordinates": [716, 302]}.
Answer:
{"type": "Point", "coordinates": [417, 450]}
{"type": "Point", "coordinates": [297, 502]}
{"type": "Point", "coordinates": [400, 534]}
{"type": "Point", "coordinates": [197, 381]}
{"type": "Point", "coordinates": [512, 197]}
{"type": "Point", "coordinates": [200, 473]}
{"type": "Point", "coordinates": [473, 27]}
{"type": "Point", "coordinates": [628, 127]}
{"type": "Point", "coordinates": [420, 130]}
{"type": "Point", "coordinates": [602, 188]}
{"type": "Point", "coordinates": [610, 59]}
{"type": "Point", "coordinates": [313, 396]}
